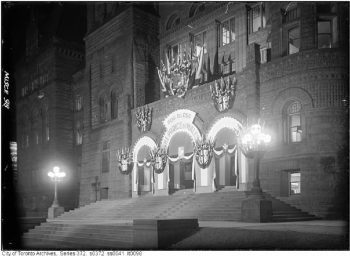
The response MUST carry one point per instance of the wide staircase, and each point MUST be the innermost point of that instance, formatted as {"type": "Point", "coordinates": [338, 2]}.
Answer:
{"type": "Point", "coordinates": [108, 223]}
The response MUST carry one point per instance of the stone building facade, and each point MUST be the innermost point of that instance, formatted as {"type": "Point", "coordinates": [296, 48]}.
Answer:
{"type": "Point", "coordinates": [288, 62]}
{"type": "Point", "coordinates": [44, 117]}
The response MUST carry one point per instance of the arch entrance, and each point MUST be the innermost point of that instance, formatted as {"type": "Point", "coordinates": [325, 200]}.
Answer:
{"type": "Point", "coordinates": [178, 139]}
{"type": "Point", "coordinates": [230, 162]}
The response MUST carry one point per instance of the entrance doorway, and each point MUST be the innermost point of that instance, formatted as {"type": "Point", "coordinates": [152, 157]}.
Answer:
{"type": "Point", "coordinates": [226, 167]}
{"type": "Point", "coordinates": [180, 175]}
{"type": "Point", "coordinates": [180, 171]}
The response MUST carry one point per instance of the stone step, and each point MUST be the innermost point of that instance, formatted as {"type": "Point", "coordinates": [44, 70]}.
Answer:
{"type": "Point", "coordinates": [37, 243]}
{"type": "Point", "coordinates": [97, 229]}
{"type": "Point", "coordinates": [124, 237]}
{"type": "Point", "coordinates": [77, 239]}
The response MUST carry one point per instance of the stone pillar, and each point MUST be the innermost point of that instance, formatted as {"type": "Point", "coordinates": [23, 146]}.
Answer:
{"type": "Point", "coordinates": [253, 80]}
{"type": "Point", "coordinates": [307, 25]}
{"type": "Point", "coordinates": [276, 30]}
{"type": "Point", "coordinates": [241, 38]}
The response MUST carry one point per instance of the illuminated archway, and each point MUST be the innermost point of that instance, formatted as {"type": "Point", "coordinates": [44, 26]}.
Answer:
{"type": "Point", "coordinates": [180, 121]}
{"type": "Point", "coordinates": [225, 122]}
{"type": "Point", "coordinates": [143, 141]}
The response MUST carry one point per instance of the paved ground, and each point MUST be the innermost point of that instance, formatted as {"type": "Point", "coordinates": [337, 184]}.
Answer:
{"type": "Point", "coordinates": [306, 235]}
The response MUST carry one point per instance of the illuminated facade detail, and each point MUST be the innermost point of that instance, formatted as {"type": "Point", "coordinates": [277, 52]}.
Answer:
{"type": "Point", "coordinates": [143, 141]}
{"type": "Point", "coordinates": [144, 118]}
{"type": "Point", "coordinates": [180, 121]}
{"type": "Point", "coordinates": [223, 94]}
{"type": "Point", "coordinates": [124, 158]}
{"type": "Point", "coordinates": [175, 75]}
{"type": "Point", "coordinates": [225, 122]}
{"type": "Point", "coordinates": [181, 115]}
{"type": "Point", "coordinates": [204, 151]}
{"type": "Point", "coordinates": [158, 159]}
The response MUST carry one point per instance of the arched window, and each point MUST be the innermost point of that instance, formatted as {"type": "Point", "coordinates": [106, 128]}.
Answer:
{"type": "Point", "coordinates": [195, 9]}
{"type": "Point", "coordinates": [173, 21]}
{"type": "Point", "coordinates": [114, 105]}
{"type": "Point", "coordinates": [103, 109]}
{"type": "Point", "coordinates": [292, 122]}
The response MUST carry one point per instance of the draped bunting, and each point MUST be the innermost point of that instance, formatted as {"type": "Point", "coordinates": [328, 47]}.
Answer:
{"type": "Point", "coordinates": [187, 159]}
{"type": "Point", "coordinates": [175, 159]}
{"type": "Point", "coordinates": [221, 153]}
{"type": "Point", "coordinates": [210, 170]}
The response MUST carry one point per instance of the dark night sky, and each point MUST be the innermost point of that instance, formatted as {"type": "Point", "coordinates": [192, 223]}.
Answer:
{"type": "Point", "coordinates": [66, 20]}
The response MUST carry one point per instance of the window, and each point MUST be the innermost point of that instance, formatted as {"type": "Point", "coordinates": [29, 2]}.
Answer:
{"type": "Point", "coordinates": [228, 34]}
{"type": "Point", "coordinates": [327, 25]}
{"type": "Point", "coordinates": [114, 105]}
{"type": "Point", "coordinates": [291, 13]}
{"type": "Point", "coordinates": [256, 18]}
{"type": "Point", "coordinates": [200, 40]}
{"type": "Point", "coordinates": [105, 157]}
{"type": "Point", "coordinates": [293, 40]}
{"type": "Point", "coordinates": [173, 53]}
{"type": "Point", "coordinates": [265, 54]}
{"type": "Point", "coordinates": [78, 103]}
{"type": "Point", "coordinates": [292, 124]}
{"type": "Point", "coordinates": [294, 183]}
{"type": "Point", "coordinates": [324, 34]}
{"type": "Point", "coordinates": [103, 109]}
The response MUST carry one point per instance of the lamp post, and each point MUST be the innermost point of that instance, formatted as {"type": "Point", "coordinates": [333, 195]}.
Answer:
{"type": "Point", "coordinates": [56, 175]}
{"type": "Point", "coordinates": [254, 143]}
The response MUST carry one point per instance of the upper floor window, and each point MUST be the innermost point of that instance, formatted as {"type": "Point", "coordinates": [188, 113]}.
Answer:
{"type": "Point", "coordinates": [256, 18]}
{"type": "Point", "coordinates": [78, 103]}
{"type": "Point", "coordinates": [327, 25]}
{"type": "Point", "coordinates": [103, 105]}
{"type": "Point", "coordinates": [228, 34]}
{"type": "Point", "coordinates": [293, 40]}
{"type": "Point", "coordinates": [105, 157]}
{"type": "Point", "coordinates": [292, 123]}
{"type": "Point", "coordinates": [265, 53]}
{"type": "Point", "coordinates": [173, 21]}
{"type": "Point", "coordinates": [291, 13]}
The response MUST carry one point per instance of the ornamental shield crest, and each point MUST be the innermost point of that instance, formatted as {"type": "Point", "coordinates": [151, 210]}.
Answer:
{"type": "Point", "coordinates": [125, 163]}
{"type": "Point", "coordinates": [144, 118]}
{"type": "Point", "coordinates": [175, 75]}
{"type": "Point", "coordinates": [223, 94]}
{"type": "Point", "coordinates": [158, 159]}
{"type": "Point", "coordinates": [204, 151]}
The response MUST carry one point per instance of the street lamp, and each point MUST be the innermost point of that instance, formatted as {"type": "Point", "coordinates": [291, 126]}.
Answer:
{"type": "Point", "coordinates": [56, 175]}
{"type": "Point", "coordinates": [253, 143]}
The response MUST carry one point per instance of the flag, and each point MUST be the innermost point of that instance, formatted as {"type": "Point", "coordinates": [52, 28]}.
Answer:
{"type": "Point", "coordinates": [236, 169]}
{"type": "Point", "coordinates": [200, 62]}
{"type": "Point", "coordinates": [167, 64]}
{"type": "Point", "coordinates": [152, 179]}
{"type": "Point", "coordinates": [193, 173]}
{"type": "Point", "coordinates": [213, 167]}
